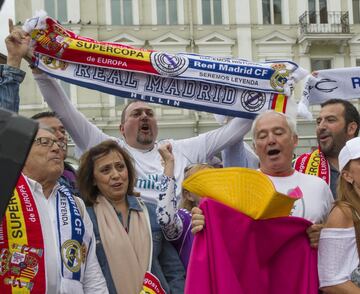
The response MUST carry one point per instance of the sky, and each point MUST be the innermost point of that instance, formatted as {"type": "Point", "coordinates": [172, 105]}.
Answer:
{"type": "Point", "coordinates": [7, 11]}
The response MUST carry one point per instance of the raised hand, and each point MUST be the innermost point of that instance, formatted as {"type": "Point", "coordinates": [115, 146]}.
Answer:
{"type": "Point", "coordinates": [165, 151]}
{"type": "Point", "coordinates": [17, 44]}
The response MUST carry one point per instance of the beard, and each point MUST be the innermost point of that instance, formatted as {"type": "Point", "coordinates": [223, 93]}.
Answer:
{"type": "Point", "coordinates": [145, 139]}
{"type": "Point", "coordinates": [332, 148]}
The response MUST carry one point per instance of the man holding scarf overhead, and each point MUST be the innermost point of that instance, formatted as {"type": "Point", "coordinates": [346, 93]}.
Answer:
{"type": "Point", "coordinates": [192, 81]}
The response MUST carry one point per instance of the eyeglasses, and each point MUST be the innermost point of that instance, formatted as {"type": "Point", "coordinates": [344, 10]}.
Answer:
{"type": "Point", "coordinates": [48, 142]}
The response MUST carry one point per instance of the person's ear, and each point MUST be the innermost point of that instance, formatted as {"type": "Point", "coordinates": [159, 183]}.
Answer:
{"type": "Point", "coordinates": [121, 129]}
{"type": "Point", "coordinates": [296, 140]}
{"type": "Point", "coordinates": [351, 129]}
{"type": "Point", "coordinates": [254, 147]}
{"type": "Point", "coordinates": [347, 176]}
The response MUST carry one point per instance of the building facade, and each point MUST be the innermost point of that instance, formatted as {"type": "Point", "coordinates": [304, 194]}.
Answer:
{"type": "Point", "coordinates": [316, 34]}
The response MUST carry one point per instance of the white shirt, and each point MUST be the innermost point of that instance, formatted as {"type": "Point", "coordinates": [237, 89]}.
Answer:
{"type": "Point", "coordinates": [337, 255]}
{"type": "Point", "coordinates": [94, 281]}
{"type": "Point", "coordinates": [317, 199]}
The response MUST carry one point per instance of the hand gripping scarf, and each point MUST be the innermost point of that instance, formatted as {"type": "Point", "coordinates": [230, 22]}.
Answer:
{"type": "Point", "coordinates": [227, 86]}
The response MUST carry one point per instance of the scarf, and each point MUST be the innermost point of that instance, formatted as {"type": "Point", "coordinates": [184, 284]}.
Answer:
{"type": "Point", "coordinates": [22, 266]}
{"type": "Point", "coordinates": [313, 163]}
{"type": "Point", "coordinates": [237, 254]}
{"type": "Point", "coordinates": [128, 254]}
{"type": "Point", "coordinates": [343, 83]}
{"type": "Point", "coordinates": [74, 239]}
{"type": "Point", "coordinates": [227, 86]}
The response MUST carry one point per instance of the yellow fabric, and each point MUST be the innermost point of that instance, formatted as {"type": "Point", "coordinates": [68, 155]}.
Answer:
{"type": "Point", "coordinates": [246, 190]}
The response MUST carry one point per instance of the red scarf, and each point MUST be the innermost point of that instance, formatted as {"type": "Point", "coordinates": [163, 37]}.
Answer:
{"type": "Point", "coordinates": [315, 164]}
{"type": "Point", "coordinates": [22, 268]}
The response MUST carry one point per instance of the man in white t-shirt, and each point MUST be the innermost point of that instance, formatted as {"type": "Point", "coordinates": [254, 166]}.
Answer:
{"type": "Point", "coordinates": [275, 138]}
{"type": "Point", "coordinates": [139, 131]}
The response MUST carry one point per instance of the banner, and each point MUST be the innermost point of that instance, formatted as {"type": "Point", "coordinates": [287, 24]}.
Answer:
{"type": "Point", "coordinates": [322, 85]}
{"type": "Point", "coordinates": [201, 96]}
{"type": "Point", "coordinates": [53, 40]}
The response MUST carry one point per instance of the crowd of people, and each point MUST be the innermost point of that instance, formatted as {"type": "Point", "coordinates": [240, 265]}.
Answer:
{"type": "Point", "coordinates": [123, 217]}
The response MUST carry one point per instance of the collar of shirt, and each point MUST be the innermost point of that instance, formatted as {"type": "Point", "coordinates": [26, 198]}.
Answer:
{"type": "Point", "coordinates": [37, 188]}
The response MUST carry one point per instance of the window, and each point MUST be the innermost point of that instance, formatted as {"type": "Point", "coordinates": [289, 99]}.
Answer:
{"type": "Point", "coordinates": [320, 63]}
{"type": "Point", "coordinates": [211, 11]}
{"type": "Point", "coordinates": [356, 10]}
{"type": "Point", "coordinates": [357, 62]}
{"type": "Point", "coordinates": [271, 11]}
{"type": "Point", "coordinates": [121, 12]}
{"type": "Point", "coordinates": [318, 11]}
{"type": "Point", "coordinates": [57, 9]}
{"type": "Point", "coordinates": [166, 12]}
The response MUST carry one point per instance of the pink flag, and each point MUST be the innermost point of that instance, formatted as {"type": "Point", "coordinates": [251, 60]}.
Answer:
{"type": "Point", "coordinates": [236, 254]}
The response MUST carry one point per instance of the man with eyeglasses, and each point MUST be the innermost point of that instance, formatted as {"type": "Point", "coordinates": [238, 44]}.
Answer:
{"type": "Point", "coordinates": [51, 120]}
{"type": "Point", "coordinates": [10, 78]}
{"type": "Point", "coordinates": [48, 245]}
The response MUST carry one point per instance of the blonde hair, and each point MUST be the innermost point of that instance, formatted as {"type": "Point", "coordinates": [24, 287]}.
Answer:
{"type": "Point", "coordinates": [190, 170]}
{"type": "Point", "coordinates": [347, 195]}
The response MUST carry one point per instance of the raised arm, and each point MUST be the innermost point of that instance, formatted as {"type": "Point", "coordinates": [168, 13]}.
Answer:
{"type": "Point", "coordinates": [167, 208]}
{"type": "Point", "coordinates": [84, 133]}
{"type": "Point", "coordinates": [240, 154]}
{"type": "Point", "coordinates": [206, 145]}
{"type": "Point", "coordinates": [17, 45]}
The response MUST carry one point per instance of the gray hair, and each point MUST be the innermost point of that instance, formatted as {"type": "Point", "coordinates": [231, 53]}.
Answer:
{"type": "Point", "coordinates": [291, 122]}
{"type": "Point", "coordinates": [45, 127]}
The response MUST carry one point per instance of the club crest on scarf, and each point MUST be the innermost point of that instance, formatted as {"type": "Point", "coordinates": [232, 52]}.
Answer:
{"type": "Point", "coordinates": [168, 64]}
{"type": "Point", "coordinates": [53, 42]}
{"type": "Point", "coordinates": [253, 101]}
{"type": "Point", "coordinates": [20, 266]}
{"type": "Point", "coordinates": [280, 77]}
{"type": "Point", "coordinates": [74, 239]}
{"type": "Point", "coordinates": [53, 63]}
{"type": "Point", "coordinates": [73, 255]}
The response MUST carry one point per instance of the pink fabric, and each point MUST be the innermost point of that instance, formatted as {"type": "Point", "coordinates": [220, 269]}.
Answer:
{"type": "Point", "coordinates": [236, 254]}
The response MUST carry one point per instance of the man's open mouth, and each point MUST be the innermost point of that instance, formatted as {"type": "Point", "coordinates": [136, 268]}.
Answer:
{"type": "Point", "coordinates": [273, 152]}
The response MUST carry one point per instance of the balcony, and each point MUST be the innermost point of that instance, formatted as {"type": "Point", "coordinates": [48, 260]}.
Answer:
{"type": "Point", "coordinates": [324, 28]}
{"type": "Point", "coordinates": [319, 22]}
